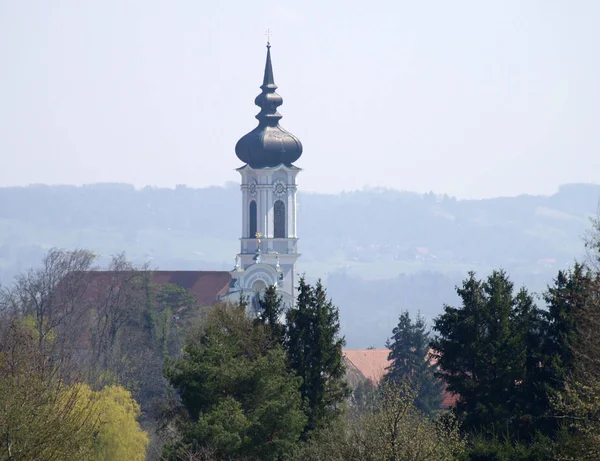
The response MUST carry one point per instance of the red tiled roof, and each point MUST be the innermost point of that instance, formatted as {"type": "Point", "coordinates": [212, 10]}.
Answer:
{"type": "Point", "coordinates": [206, 285]}
{"type": "Point", "coordinates": [448, 399]}
{"type": "Point", "coordinates": [91, 287]}
{"type": "Point", "coordinates": [372, 364]}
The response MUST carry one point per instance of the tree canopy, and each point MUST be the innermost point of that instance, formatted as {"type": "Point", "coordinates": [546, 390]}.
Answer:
{"type": "Point", "coordinates": [47, 414]}
{"type": "Point", "coordinates": [484, 356]}
{"type": "Point", "coordinates": [238, 392]}
{"type": "Point", "coordinates": [314, 347]}
{"type": "Point", "coordinates": [411, 361]}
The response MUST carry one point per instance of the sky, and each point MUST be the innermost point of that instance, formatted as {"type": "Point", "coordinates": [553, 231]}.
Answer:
{"type": "Point", "coordinates": [471, 98]}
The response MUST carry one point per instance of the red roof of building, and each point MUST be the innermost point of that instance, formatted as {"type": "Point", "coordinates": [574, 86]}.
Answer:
{"type": "Point", "coordinates": [372, 364]}
{"type": "Point", "coordinates": [207, 286]}
{"type": "Point", "coordinates": [87, 289]}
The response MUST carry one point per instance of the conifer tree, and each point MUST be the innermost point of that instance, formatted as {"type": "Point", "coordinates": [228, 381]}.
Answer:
{"type": "Point", "coordinates": [271, 313]}
{"type": "Point", "coordinates": [410, 361]}
{"type": "Point", "coordinates": [482, 353]}
{"type": "Point", "coordinates": [240, 397]}
{"type": "Point", "coordinates": [314, 349]}
{"type": "Point", "coordinates": [529, 333]}
{"type": "Point", "coordinates": [572, 354]}
{"type": "Point", "coordinates": [563, 300]}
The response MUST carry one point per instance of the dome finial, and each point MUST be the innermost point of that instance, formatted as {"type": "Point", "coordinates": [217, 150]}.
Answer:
{"type": "Point", "coordinates": [268, 144]}
{"type": "Point", "coordinates": [268, 80]}
{"type": "Point", "coordinates": [268, 100]}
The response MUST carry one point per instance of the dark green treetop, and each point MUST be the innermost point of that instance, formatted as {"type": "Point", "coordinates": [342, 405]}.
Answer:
{"type": "Point", "coordinates": [271, 314]}
{"type": "Point", "coordinates": [483, 352]}
{"type": "Point", "coordinates": [241, 398]}
{"type": "Point", "coordinates": [314, 348]}
{"type": "Point", "coordinates": [410, 361]}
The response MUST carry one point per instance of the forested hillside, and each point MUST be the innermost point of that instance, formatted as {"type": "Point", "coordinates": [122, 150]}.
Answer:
{"type": "Point", "coordinates": [379, 251]}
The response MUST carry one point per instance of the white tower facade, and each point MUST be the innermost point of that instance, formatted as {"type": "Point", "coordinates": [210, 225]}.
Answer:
{"type": "Point", "coordinates": [269, 240]}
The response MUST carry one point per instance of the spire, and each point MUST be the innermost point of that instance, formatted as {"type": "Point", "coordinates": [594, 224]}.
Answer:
{"type": "Point", "coordinates": [268, 100]}
{"type": "Point", "coordinates": [268, 80]}
{"type": "Point", "coordinates": [268, 144]}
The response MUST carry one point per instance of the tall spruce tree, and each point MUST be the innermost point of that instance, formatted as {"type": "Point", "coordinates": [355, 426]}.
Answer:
{"type": "Point", "coordinates": [271, 313]}
{"type": "Point", "coordinates": [563, 298]}
{"type": "Point", "coordinates": [410, 361]}
{"type": "Point", "coordinates": [572, 353]}
{"type": "Point", "coordinates": [314, 349]}
{"type": "Point", "coordinates": [483, 352]}
{"type": "Point", "coordinates": [529, 332]}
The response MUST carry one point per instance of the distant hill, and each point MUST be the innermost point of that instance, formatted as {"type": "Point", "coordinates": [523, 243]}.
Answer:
{"type": "Point", "coordinates": [379, 251]}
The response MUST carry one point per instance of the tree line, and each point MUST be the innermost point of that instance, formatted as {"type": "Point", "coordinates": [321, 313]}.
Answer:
{"type": "Point", "coordinates": [524, 376]}
{"type": "Point", "coordinates": [119, 368]}
{"type": "Point", "coordinates": [125, 369]}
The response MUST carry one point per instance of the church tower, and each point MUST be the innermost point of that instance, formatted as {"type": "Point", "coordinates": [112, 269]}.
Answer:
{"type": "Point", "coordinates": [268, 250]}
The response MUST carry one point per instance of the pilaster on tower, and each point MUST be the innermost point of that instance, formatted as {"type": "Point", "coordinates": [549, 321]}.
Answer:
{"type": "Point", "coordinates": [269, 240]}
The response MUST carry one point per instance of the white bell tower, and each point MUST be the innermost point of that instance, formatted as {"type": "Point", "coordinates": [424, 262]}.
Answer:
{"type": "Point", "coordinates": [269, 242]}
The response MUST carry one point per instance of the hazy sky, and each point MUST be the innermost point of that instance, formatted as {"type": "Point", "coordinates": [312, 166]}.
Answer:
{"type": "Point", "coordinates": [473, 98]}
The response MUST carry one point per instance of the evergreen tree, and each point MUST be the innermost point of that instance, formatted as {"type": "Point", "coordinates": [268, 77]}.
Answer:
{"type": "Point", "coordinates": [241, 398]}
{"type": "Point", "coordinates": [529, 332]}
{"type": "Point", "coordinates": [410, 360]}
{"type": "Point", "coordinates": [483, 352]}
{"type": "Point", "coordinates": [315, 353]}
{"type": "Point", "coordinates": [271, 313]}
{"type": "Point", "coordinates": [527, 378]}
{"type": "Point", "coordinates": [572, 355]}
{"type": "Point", "coordinates": [563, 299]}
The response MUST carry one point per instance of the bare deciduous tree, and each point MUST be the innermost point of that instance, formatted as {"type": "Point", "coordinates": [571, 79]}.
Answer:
{"type": "Point", "coordinates": [53, 294]}
{"type": "Point", "coordinates": [119, 296]}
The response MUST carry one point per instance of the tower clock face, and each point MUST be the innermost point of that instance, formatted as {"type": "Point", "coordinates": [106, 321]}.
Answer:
{"type": "Point", "coordinates": [252, 187]}
{"type": "Point", "coordinates": [279, 188]}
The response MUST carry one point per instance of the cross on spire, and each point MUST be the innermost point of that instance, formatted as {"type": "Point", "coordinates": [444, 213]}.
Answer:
{"type": "Point", "coordinates": [268, 34]}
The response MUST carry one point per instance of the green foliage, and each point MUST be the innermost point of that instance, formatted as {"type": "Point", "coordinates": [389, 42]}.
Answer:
{"type": "Point", "coordinates": [175, 308]}
{"type": "Point", "coordinates": [495, 448]}
{"type": "Point", "coordinates": [119, 435]}
{"type": "Point", "coordinates": [314, 349]}
{"type": "Point", "coordinates": [574, 322]}
{"type": "Point", "coordinates": [488, 352]}
{"type": "Point", "coordinates": [271, 313]}
{"type": "Point", "coordinates": [43, 417]}
{"type": "Point", "coordinates": [364, 397]}
{"type": "Point", "coordinates": [174, 297]}
{"type": "Point", "coordinates": [528, 380]}
{"type": "Point", "coordinates": [410, 360]}
{"type": "Point", "coordinates": [40, 417]}
{"type": "Point", "coordinates": [234, 383]}
{"type": "Point", "coordinates": [393, 429]}
{"type": "Point", "coordinates": [117, 326]}
{"type": "Point", "coordinates": [566, 299]}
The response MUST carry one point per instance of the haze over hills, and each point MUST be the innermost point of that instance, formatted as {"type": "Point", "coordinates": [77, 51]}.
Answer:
{"type": "Point", "coordinates": [378, 251]}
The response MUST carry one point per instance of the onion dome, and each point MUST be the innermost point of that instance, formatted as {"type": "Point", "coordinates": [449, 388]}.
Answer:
{"type": "Point", "coordinates": [268, 144]}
